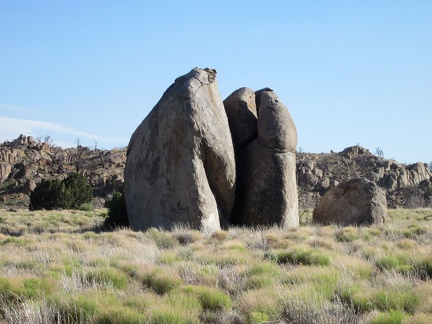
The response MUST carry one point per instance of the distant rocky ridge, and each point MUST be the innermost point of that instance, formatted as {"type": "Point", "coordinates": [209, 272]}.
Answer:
{"type": "Point", "coordinates": [25, 161]}
{"type": "Point", "coordinates": [405, 185]}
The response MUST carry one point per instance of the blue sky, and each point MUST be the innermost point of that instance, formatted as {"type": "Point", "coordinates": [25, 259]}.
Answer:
{"type": "Point", "coordinates": [350, 72]}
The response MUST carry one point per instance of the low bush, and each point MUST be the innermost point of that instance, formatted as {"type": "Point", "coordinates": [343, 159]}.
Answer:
{"type": "Point", "coordinates": [107, 277]}
{"type": "Point", "coordinates": [393, 316]}
{"type": "Point", "coordinates": [161, 281]}
{"type": "Point", "coordinates": [347, 234]}
{"type": "Point", "coordinates": [211, 299]}
{"type": "Point", "coordinates": [300, 256]}
{"type": "Point", "coordinates": [117, 212]}
{"type": "Point", "coordinates": [70, 193]}
{"type": "Point", "coordinates": [163, 239]}
{"type": "Point", "coordinates": [399, 263]}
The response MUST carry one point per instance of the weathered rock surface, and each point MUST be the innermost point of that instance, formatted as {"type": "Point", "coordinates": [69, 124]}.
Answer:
{"type": "Point", "coordinates": [266, 186]}
{"type": "Point", "coordinates": [180, 164]}
{"type": "Point", "coordinates": [352, 202]}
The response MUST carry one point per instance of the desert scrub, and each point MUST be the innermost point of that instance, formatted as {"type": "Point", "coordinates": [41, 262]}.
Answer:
{"type": "Point", "coordinates": [50, 221]}
{"type": "Point", "coordinates": [301, 255]}
{"type": "Point", "coordinates": [221, 257]}
{"type": "Point", "coordinates": [314, 274]}
{"type": "Point", "coordinates": [347, 234]}
{"type": "Point", "coordinates": [262, 274]}
{"type": "Point", "coordinates": [61, 266]}
{"type": "Point", "coordinates": [370, 233]}
{"type": "Point", "coordinates": [354, 267]}
{"type": "Point", "coordinates": [259, 305]}
{"type": "Point", "coordinates": [108, 277]}
{"type": "Point", "coordinates": [299, 234]}
{"type": "Point", "coordinates": [393, 316]}
{"type": "Point", "coordinates": [306, 307]}
{"type": "Point", "coordinates": [199, 274]}
{"type": "Point", "coordinates": [163, 239]}
{"type": "Point", "coordinates": [160, 279]}
{"type": "Point", "coordinates": [321, 281]}
{"type": "Point", "coordinates": [211, 299]}
{"type": "Point", "coordinates": [220, 235]}
{"type": "Point", "coordinates": [365, 298]}
{"type": "Point", "coordinates": [185, 235]}
{"type": "Point", "coordinates": [398, 262]}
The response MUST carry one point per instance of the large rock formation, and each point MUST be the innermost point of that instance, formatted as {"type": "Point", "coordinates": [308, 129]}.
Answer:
{"type": "Point", "coordinates": [180, 164]}
{"type": "Point", "coordinates": [266, 159]}
{"type": "Point", "coordinates": [352, 202]}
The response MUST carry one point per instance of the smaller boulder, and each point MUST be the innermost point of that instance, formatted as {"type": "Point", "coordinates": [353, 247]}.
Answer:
{"type": "Point", "coordinates": [352, 202]}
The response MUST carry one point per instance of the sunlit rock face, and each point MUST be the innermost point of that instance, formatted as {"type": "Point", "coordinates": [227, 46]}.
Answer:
{"type": "Point", "coordinates": [180, 164]}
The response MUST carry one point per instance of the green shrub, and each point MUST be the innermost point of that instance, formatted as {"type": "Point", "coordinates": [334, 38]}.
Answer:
{"type": "Point", "coordinates": [258, 317]}
{"type": "Point", "coordinates": [356, 295]}
{"type": "Point", "coordinates": [78, 190]}
{"type": "Point", "coordinates": [49, 194]}
{"type": "Point", "coordinates": [391, 299]}
{"type": "Point", "coordinates": [424, 267]}
{"type": "Point", "coordinates": [121, 315]}
{"type": "Point", "coordinates": [87, 207]}
{"type": "Point", "coordinates": [7, 291]}
{"type": "Point", "coordinates": [399, 263]}
{"type": "Point", "coordinates": [166, 316]}
{"type": "Point", "coordinates": [347, 234]}
{"type": "Point", "coordinates": [117, 213]}
{"type": "Point", "coordinates": [258, 281]}
{"type": "Point", "coordinates": [69, 193]}
{"type": "Point", "coordinates": [394, 316]}
{"type": "Point", "coordinates": [77, 309]}
{"type": "Point", "coordinates": [163, 240]}
{"type": "Point", "coordinates": [161, 281]}
{"type": "Point", "coordinates": [365, 299]}
{"type": "Point", "coordinates": [213, 299]}
{"type": "Point", "coordinates": [108, 276]}
{"type": "Point", "coordinates": [300, 255]}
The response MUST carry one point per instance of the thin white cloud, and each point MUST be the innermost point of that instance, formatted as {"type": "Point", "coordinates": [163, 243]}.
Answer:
{"type": "Point", "coordinates": [10, 128]}
{"type": "Point", "coordinates": [15, 108]}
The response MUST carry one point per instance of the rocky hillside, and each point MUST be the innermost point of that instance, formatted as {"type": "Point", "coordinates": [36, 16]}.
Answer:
{"type": "Point", "coordinates": [405, 185]}
{"type": "Point", "coordinates": [25, 161]}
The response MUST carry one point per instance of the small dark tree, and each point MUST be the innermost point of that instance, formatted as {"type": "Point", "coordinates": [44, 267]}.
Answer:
{"type": "Point", "coordinates": [78, 157]}
{"type": "Point", "coordinates": [69, 193]}
{"type": "Point", "coordinates": [117, 213]}
{"type": "Point", "coordinates": [78, 190]}
{"type": "Point", "coordinates": [49, 194]}
{"type": "Point", "coordinates": [379, 152]}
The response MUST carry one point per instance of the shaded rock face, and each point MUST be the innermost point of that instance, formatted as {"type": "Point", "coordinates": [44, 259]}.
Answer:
{"type": "Point", "coordinates": [352, 202]}
{"type": "Point", "coordinates": [180, 164]}
{"type": "Point", "coordinates": [242, 116]}
{"type": "Point", "coordinates": [265, 145]}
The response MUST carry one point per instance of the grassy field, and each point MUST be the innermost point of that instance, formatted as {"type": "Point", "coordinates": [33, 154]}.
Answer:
{"type": "Point", "coordinates": [60, 267]}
